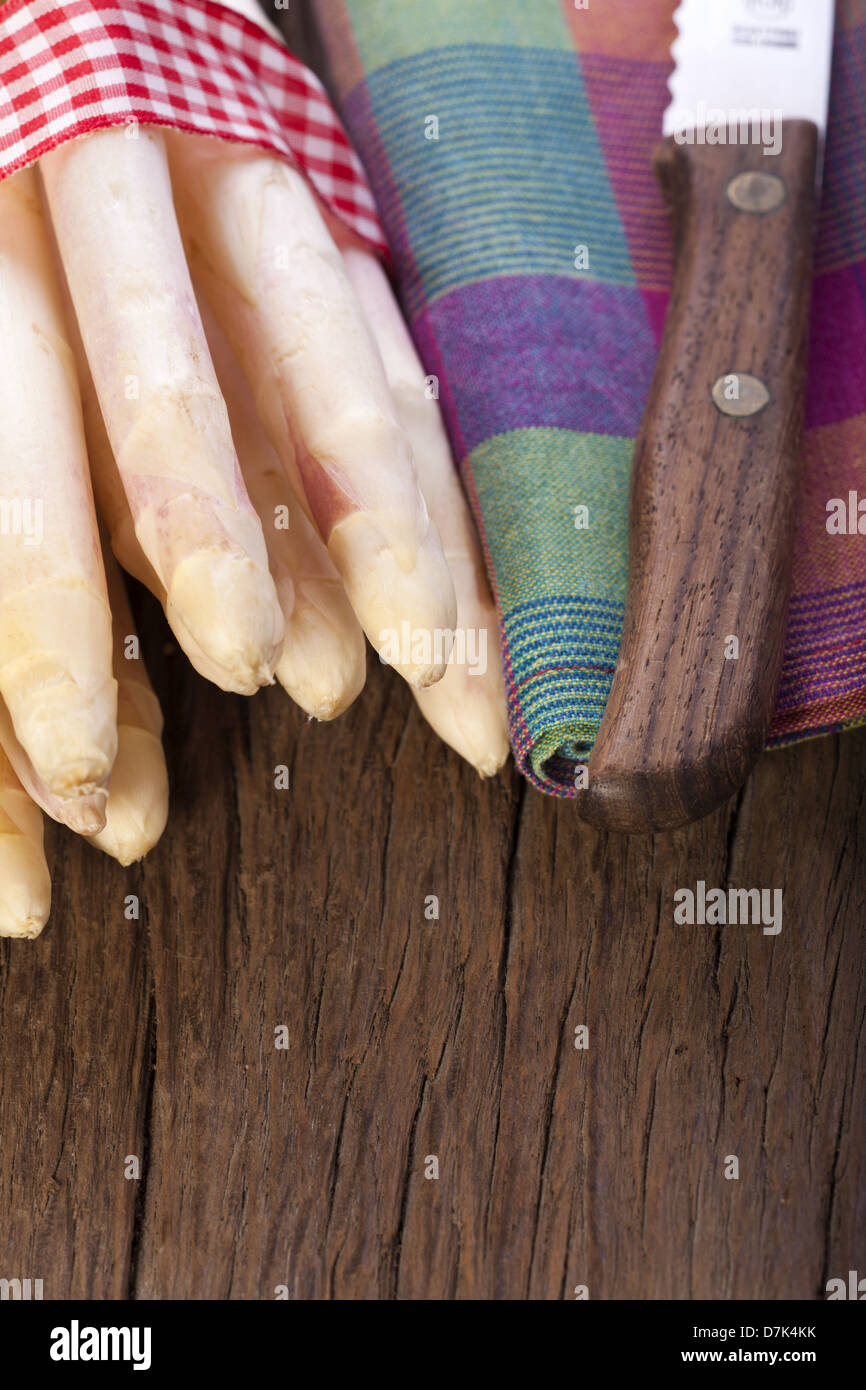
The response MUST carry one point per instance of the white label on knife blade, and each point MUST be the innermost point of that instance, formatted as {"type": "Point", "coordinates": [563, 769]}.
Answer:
{"type": "Point", "coordinates": [763, 37]}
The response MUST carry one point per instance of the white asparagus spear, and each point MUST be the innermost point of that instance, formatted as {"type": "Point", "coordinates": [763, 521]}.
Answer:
{"type": "Point", "coordinates": [322, 665]}
{"type": "Point", "coordinates": [322, 661]}
{"type": "Point", "coordinates": [277, 284]}
{"type": "Point", "coordinates": [83, 814]}
{"type": "Point", "coordinates": [130, 821]}
{"type": "Point", "coordinates": [137, 808]}
{"type": "Point", "coordinates": [468, 712]}
{"type": "Point", "coordinates": [111, 499]}
{"type": "Point", "coordinates": [25, 883]}
{"type": "Point", "coordinates": [111, 206]}
{"type": "Point", "coordinates": [467, 707]}
{"type": "Point", "coordinates": [55, 623]}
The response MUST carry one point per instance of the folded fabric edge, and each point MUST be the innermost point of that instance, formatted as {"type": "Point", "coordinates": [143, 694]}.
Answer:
{"type": "Point", "coordinates": [70, 48]}
{"type": "Point", "coordinates": [785, 737]}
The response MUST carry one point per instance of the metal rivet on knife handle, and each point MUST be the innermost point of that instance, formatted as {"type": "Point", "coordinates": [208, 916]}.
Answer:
{"type": "Point", "coordinates": [738, 393]}
{"type": "Point", "coordinates": [755, 192]}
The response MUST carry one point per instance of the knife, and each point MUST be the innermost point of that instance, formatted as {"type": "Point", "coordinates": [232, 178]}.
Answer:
{"type": "Point", "coordinates": [716, 462]}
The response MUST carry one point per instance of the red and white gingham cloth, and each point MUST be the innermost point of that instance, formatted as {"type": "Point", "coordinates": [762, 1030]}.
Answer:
{"type": "Point", "coordinates": [69, 68]}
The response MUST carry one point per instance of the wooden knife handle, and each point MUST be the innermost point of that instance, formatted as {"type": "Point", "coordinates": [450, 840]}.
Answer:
{"type": "Point", "coordinates": [713, 491]}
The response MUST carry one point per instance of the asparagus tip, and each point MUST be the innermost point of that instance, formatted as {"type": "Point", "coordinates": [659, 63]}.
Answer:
{"type": "Point", "coordinates": [25, 888]}
{"type": "Point", "coordinates": [468, 713]}
{"type": "Point", "coordinates": [21, 929]}
{"type": "Point", "coordinates": [491, 764]}
{"type": "Point", "coordinates": [409, 612]}
{"type": "Point", "coordinates": [68, 733]}
{"type": "Point", "coordinates": [224, 610]}
{"type": "Point", "coordinates": [323, 664]}
{"type": "Point", "coordinates": [86, 816]}
{"type": "Point", "coordinates": [137, 808]}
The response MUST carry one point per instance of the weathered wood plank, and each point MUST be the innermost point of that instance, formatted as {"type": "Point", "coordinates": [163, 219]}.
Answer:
{"type": "Point", "coordinates": [315, 920]}
{"type": "Point", "coordinates": [75, 1036]}
{"type": "Point", "coordinates": [412, 1038]}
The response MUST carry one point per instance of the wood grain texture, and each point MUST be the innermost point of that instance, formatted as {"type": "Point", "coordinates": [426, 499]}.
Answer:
{"type": "Point", "coordinates": [454, 1037]}
{"type": "Point", "coordinates": [713, 497]}
{"type": "Point", "coordinates": [76, 1032]}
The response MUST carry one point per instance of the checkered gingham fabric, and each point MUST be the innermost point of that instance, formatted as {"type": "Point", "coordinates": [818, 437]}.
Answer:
{"type": "Point", "coordinates": [66, 69]}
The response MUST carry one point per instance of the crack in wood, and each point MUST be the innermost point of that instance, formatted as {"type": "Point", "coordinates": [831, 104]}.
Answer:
{"type": "Point", "coordinates": [149, 1063]}
{"type": "Point", "coordinates": [500, 986]}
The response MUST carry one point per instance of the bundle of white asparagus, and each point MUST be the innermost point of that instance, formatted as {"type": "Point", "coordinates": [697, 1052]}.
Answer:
{"type": "Point", "coordinates": [183, 325]}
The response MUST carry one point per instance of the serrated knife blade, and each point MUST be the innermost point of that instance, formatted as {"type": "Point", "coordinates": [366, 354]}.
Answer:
{"type": "Point", "coordinates": [770, 56]}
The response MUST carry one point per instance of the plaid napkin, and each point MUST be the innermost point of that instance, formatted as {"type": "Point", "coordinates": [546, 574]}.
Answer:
{"type": "Point", "coordinates": [501, 137]}
{"type": "Point", "coordinates": [69, 68]}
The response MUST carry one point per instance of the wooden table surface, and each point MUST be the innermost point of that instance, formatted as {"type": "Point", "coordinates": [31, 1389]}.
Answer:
{"type": "Point", "coordinates": [412, 1038]}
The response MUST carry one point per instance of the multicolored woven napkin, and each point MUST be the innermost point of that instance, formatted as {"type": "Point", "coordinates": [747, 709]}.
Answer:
{"type": "Point", "coordinates": [509, 145]}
